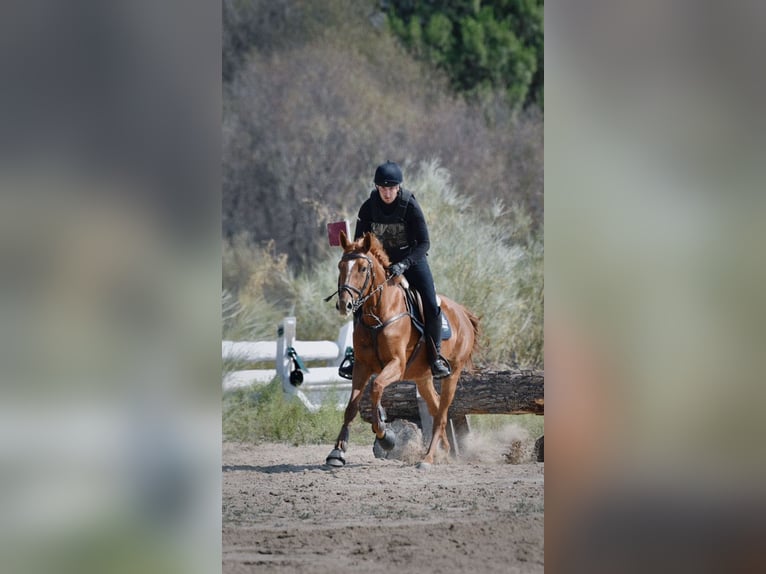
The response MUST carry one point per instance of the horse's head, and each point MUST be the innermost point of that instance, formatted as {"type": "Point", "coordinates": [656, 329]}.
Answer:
{"type": "Point", "coordinates": [361, 268]}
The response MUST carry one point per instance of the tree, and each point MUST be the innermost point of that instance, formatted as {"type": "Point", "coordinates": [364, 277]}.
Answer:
{"type": "Point", "coordinates": [483, 45]}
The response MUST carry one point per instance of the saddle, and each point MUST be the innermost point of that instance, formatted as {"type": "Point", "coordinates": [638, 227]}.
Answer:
{"type": "Point", "coordinates": [415, 309]}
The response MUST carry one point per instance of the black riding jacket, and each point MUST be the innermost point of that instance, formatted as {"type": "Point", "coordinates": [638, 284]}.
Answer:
{"type": "Point", "coordinates": [400, 226]}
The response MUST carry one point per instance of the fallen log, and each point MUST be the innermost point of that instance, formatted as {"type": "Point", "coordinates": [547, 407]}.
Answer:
{"type": "Point", "coordinates": [477, 393]}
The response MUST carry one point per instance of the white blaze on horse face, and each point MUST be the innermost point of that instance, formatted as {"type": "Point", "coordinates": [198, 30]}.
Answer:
{"type": "Point", "coordinates": [345, 278]}
{"type": "Point", "coordinates": [349, 268]}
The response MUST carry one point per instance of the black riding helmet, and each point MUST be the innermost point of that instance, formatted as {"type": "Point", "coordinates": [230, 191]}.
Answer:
{"type": "Point", "coordinates": [388, 174]}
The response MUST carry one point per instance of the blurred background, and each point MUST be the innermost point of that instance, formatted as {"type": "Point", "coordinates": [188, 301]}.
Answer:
{"type": "Point", "coordinates": [109, 250]}
{"type": "Point", "coordinates": [654, 287]}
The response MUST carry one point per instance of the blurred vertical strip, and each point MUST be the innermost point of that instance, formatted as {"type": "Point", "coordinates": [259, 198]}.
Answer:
{"type": "Point", "coordinates": [655, 280]}
{"type": "Point", "coordinates": [110, 117]}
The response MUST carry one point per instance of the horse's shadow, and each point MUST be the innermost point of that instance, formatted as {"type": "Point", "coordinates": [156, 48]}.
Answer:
{"type": "Point", "coordinates": [275, 468]}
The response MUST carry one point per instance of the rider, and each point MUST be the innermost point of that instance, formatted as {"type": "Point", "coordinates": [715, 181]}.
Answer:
{"type": "Point", "coordinates": [394, 216]}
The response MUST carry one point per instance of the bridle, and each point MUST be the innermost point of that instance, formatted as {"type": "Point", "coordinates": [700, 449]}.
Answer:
{"type": "Point", "coordinates": [358, 297]}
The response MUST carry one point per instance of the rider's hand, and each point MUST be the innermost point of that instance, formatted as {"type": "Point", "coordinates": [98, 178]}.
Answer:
{"type": "Point", "coordinates": [397, 269]}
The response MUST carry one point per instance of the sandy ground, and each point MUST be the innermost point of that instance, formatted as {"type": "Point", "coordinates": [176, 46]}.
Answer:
{"type": "Point", "coordinates": [284, 511]}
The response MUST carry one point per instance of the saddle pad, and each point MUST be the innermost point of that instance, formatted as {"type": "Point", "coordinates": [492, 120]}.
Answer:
{"type": "Point", "coordinates": [446, 328]}
{"type": "Point", "coordinates": [412, 298]}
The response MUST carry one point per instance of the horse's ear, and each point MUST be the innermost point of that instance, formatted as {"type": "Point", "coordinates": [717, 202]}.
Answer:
{"type": "Point", "coordinates": [367, 244]}
{"type": "Point", "coordinates": [343, 240]}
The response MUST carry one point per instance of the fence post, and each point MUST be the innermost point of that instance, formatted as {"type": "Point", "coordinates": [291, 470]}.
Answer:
{"type": "Point", "coordinates": [285, 339]}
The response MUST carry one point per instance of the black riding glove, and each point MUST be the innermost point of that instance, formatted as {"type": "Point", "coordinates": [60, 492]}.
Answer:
{"type": "Point", "coordinates": [397, 269]}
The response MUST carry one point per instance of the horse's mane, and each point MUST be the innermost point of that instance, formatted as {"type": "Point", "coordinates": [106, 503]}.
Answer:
{"type": "Point", "coordinates": [376, 249]}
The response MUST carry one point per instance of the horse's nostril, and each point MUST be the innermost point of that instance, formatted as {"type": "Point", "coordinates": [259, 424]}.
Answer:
{"type": "Point", "coordinates": [348, 306]}
{"type": "Point", "coordinates": [337, 305]}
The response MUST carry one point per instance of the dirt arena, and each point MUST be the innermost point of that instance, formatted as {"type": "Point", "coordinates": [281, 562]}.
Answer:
{"type": "Point", "coordinates": [284, 511]}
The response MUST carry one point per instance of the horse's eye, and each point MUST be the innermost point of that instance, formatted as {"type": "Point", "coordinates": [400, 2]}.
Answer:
{"type": "Point", "coordinates": [363, 268]}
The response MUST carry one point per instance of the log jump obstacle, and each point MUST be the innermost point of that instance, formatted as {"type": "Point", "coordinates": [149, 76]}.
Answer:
{"type": "Point", "coordinates": [309, 384]}
{"type": "Point", "coordinates": [478, 393]}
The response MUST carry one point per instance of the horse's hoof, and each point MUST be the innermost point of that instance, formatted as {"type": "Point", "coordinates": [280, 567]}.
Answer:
{"type": "Point", "coordinates": [336, 458]}
{"type": "Point", "coordinates": [388, 441]}
{"type": "Point", "coordinates": [378, 451]}
{"type": "Point", "coordinates": [422, 465]}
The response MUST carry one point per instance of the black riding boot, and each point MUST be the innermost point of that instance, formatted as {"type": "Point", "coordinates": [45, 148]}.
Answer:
{"type": "Point", "coordinates": [440, 368]}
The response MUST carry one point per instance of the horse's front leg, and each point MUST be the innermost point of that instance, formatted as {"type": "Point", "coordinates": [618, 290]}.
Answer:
{"type": "Point", "coordinates": [337, 456]}
{"type": "Point", "coordinates": [393, 371]}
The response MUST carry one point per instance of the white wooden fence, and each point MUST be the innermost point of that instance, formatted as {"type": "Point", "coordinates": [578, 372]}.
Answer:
{"type": "Point", "coordinates": [318, 382]}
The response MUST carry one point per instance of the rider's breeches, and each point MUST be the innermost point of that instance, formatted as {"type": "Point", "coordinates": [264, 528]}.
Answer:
{"type": "Point", "coordinates": [420, 278]}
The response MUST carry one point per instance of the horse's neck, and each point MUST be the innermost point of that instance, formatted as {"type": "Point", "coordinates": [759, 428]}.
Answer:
{"type": "Point", "coordinates": [389, 301]}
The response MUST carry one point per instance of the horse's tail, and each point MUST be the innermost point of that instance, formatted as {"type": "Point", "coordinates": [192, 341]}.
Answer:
{"type": "Point", "coordinates": [475, 320]}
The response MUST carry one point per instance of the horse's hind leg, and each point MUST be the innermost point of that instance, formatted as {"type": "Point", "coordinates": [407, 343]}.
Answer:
{"type": "Point", "coordinates": [448, 386]}
{"type": "Point", "coordinates": [429, 394]}
{"type": "Point", "coordinates": [431, 398]}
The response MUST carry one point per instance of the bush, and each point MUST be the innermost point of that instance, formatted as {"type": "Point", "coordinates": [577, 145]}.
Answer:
{"type": "Point", "coordinates": [491, 261]}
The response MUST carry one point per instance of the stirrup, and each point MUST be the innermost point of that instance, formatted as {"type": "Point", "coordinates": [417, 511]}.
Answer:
{"type": "Point", "coordinates": [346, 368]}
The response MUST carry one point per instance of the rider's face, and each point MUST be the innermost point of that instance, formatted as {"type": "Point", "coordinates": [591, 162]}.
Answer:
{"type": "Point", "coordinates": [388, 194]}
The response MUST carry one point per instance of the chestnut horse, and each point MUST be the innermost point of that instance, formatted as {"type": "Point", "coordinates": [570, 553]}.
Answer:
{"type": "Point", "coordinates": [387, 345]}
